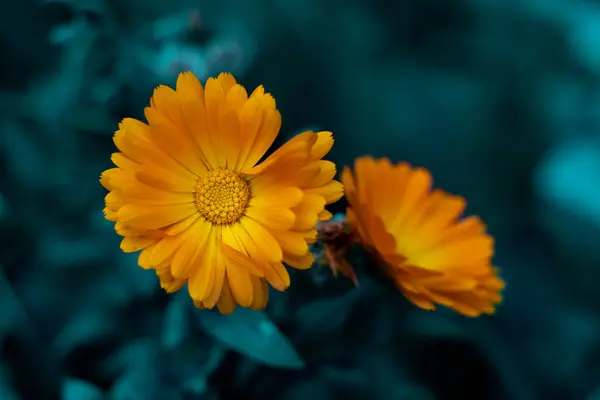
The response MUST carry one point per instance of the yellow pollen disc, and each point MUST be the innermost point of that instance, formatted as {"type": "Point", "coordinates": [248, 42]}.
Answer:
{"type": "Point", "coordinates": [222, 196]}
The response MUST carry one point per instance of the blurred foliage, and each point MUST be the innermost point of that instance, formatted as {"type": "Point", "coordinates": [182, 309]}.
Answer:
{"type": "Point", "coordinates": [500, 100]}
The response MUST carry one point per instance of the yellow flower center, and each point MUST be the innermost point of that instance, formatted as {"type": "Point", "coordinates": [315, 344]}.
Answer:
{"type": "Point", "coordinates": [222, 196]}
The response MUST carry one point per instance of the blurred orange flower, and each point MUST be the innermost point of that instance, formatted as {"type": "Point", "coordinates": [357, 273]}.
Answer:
{"type": "Point", "coordinates": [189, 193]}
{"type": "Point", "coordinates": [432, 254]}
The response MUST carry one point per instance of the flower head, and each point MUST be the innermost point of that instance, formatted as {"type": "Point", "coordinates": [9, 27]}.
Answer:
{"type": "Point", "coordinates": [432, 255]}
{"type": "Point", "coordinates": [188, 192]}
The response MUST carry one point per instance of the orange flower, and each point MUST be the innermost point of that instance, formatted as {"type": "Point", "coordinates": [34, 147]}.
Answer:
{"type": "Point", "coordinates": [188, 192]}
{"type": "Point", "coordinates": [432, 255]}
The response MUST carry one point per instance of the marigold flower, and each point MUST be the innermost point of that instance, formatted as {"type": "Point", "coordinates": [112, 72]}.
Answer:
{"type": "Point", "coordinates": [432, 255]}
{"type": "Point", "coordinates": [188, 192]}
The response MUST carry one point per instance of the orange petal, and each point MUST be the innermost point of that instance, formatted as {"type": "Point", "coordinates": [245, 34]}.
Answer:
{"type": "Point", "coordinates": [240, 283]}
{"type": "Point", "coordinates": [226, 303]}
{"type": "Point", "coordinates": [299, 262]}
{"type": "Point", "coordinates": [260, 125]}
{"type": "Point", "coordinates": [154, 217]}
{"type": "Point", "coordinates": [331, 192]}
{"type": "Point", "coordinates": [219, 281]}
{"type": "Point", "coordinates": [261, 293]}
{"type": "Point", "coordinates": [292, 243]}
{"type": "Point", "coordinates": [322, 146]}
{"type": "Point", "coordinates": [273, 218]}
{"type": "Point", "coordinates": [202, 278]}
{"type": "Point", "coordinates": [307, 212]}
{"type": "Point", "coordinates": [279, 197]}
{"type": "Point", "coordinates": [227, 81]}
{"type": "Point", "coordinates": [265, 242]}
{"type": "Point", "coordinates": [214, 97]}
{"type": "Point", "coordinates": [136, 243]}
{"type": "Point", "coordinates": [193, 109]}
{"type": "Point", "coordinates": [190, 256]}
{"type": "Point", "coordinates": [260, 252]}
{"type": "Point", "coordinates": [230, 125]}
{"type": "Point", "coordinates": [235, 252]}
{"type": "Point", "coordinates": [162, 179]}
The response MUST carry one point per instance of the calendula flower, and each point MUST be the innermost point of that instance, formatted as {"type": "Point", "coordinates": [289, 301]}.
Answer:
{"type": "Point", "coordinates": [188, 192]}
{"type": "Point", "coordinates": [432, 254]}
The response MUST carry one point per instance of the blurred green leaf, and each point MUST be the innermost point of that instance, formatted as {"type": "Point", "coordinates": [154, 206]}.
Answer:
{"type": "Point", "coordinates": [594, 395]}
{"type": "Point", "coordinates": [86, 327]}
{"type": "Point", "coordinates": [126, 357]}
{"type": "Point", "coordinates": [137, 282]}
{"type": "Point", "coordinates": [324, 316]}
{"type": "Point", "coordinates": [441, 324]}
{"type": "Point", "coordinates": [252, 334]}
{"type": "Point", "coordinates": [141, 383]}
{"type": "Point", "coordinates": [196, 386]}
{"type": "Point", "coordinates": [10, 304]}
{"type": "Point", "coordinates": [4, 207]}
{"type": "Point", "coordinates": [176, 325]}
{"type": "Point", "coordinates": [140, 380]}
{"type": "Point", "coordinates": [75, 389]}
{"type": "Point", "coordinates": [6, 390]}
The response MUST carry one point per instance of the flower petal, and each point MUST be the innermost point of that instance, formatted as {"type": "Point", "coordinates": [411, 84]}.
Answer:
{"type": "Point", "coordinates": [193, 110]}
{"type": "Point", "coordinates": [154, 217]}
{"type": "Point", "coordinates": [292, 243]}
{"type": "Point", "coordinates": [307, 212]}
{"type": "Point", "coordinates": [219, 268]}
{"type": "Point", "coordinates": [260, 123]}
{"type": "Point", "coordinates": [274, 218]}
{"type": "Point", "coordinates": [190, 256]}
{"type": "Point", "coordinates": [234, 251]}
{"type": "Point", "coordinates": [240, 283]}
{"type": "Point", "coordinates": [261, 251]}
{"type": "Point", "coordinates": [136, 243]}
{"type": "Point", "coordinates": [285, 197]}
{"type": "Point", "coordinates": [214, 97]}
{"type": "Point", "coordinates": [202, 278]}
{"type": "Point", "coordinates": [268, 246]}
{"type": "Point", "coordinates": [226, 302]}
{"type": "Point", "coordinates": [261, 293]}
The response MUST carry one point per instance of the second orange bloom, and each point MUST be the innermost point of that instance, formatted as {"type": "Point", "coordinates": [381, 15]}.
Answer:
{"type": "Point", "coordinates": [432, 254]}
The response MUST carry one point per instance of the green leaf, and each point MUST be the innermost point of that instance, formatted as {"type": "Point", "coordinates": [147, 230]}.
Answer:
{"type": "Point", "coordinates": [324, 316]}
{"type": "Point", "coordinates": [176, 322]}
{"type": "Point", "coordinates": [6, 389]}
{"type": "Point", "coordinates": [141, 377]}
{"type": "Point", "coordinates": [10, 305]}
{"type": "Point", "coordinates": [85, 328]}
{"type": "Point", "coordinates": [75, 389]}
{"type": "Point", "coordinates": [252, 334]}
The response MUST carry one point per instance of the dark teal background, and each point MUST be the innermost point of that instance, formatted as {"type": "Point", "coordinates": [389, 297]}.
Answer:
{"type": "Point", "coordinates": [499, 99]}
